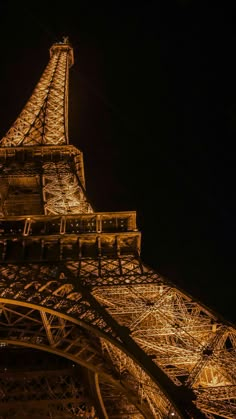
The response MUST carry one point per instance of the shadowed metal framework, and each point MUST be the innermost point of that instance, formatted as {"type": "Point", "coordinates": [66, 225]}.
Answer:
{"type": "Point", "coordinates": [101, 334]}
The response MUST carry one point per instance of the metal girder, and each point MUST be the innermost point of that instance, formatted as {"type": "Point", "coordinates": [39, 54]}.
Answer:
{"type": "Point", "coordinates": [155, 323]}
{"type": "Point", "coordinates": [59, 393]}
{"type": "Point", "coordinates": [23, 326]}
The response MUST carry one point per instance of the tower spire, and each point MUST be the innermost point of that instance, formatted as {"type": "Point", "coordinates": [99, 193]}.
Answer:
{"type": "Point", "coordinates": [44, 118]}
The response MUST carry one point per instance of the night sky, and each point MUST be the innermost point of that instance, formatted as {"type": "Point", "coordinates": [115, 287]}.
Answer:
{"type": "Point", "coordinates": [152, 106]}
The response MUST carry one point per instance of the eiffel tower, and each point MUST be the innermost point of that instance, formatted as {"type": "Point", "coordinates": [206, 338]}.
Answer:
{"type": "Point", "coordinates": [86, 328]}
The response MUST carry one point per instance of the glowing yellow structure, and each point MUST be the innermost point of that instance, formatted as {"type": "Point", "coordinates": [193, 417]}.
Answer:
{"type": "Point", "coordinates": [74, 288]}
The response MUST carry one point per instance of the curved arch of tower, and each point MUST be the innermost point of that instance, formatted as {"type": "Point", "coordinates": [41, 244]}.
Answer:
{"type": "Point", "coordinates": [74, 288]}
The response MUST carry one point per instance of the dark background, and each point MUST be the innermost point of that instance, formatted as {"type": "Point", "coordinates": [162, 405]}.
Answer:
{"type": "Point", "coordinates": [153, 108]}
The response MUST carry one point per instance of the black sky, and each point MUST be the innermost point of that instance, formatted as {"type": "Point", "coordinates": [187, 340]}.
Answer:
{"type": "Point", "coordinates": [153, 108]}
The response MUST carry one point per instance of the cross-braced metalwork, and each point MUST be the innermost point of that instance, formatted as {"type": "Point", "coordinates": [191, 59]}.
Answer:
{"type": "Point", "coordinates": [73, 284]}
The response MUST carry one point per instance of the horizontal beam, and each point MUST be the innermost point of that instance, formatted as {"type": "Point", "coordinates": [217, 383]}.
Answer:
{"type": "Point", "coordinates": [41, 225]}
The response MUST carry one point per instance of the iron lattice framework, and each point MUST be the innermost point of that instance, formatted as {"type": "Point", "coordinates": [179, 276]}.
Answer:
{"type": "Point", "coordinates": [73, 285]}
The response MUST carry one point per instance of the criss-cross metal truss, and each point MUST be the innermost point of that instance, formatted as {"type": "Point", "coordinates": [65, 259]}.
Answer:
{"type": "Point", "coordinates": [73, 284]}
{"type": "Point", "coordinates": [44, 393]}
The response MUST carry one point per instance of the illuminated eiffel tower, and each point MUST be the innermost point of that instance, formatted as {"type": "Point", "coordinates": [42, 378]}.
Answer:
{"type": "Point", "coordinates": [86, 328]}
